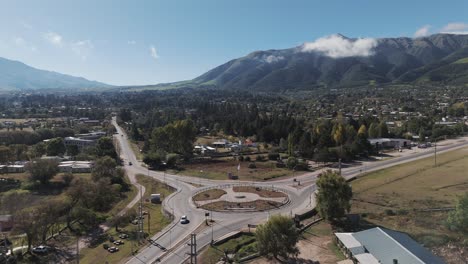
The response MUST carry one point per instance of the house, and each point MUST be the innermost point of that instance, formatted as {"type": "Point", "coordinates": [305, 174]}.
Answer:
{"type": "Point", "coordinates": [17, 168]}
{"type": "Point", "coordinates": [220, 144]}
{"type": "Point", "coordinates": [6, 222]}
{"type": "Point", "coordinates": [390, 142]}
{"type": "Point", "coordinates": [384, 246]}
{"type": "Point", "coordinates": [92, 135]}
{"type": "Point", "coordinates": [80, 143]}
{"type": "Point", "coordinates": [76, 166]}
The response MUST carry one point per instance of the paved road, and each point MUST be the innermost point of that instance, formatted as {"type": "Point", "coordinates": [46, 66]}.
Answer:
{"type": "Point", "coordinates": [175, 236]}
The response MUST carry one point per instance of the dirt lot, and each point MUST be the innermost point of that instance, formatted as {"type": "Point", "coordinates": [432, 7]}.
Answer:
{"type": "Point", "coordinates": [218, 170]}
{"type": "Point", "coordinates": [260, 191]}
{"type": "Point", "coordinates": [404, 198]}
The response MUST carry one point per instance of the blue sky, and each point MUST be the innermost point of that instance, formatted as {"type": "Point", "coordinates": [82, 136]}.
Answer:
{"type": "Point", "coordinates": [147, 42]}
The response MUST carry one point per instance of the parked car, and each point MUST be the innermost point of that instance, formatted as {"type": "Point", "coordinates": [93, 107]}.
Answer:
{"type": "Point", "coordinates": [118, 242]}
{"type": "Point", "coordinates": [40, 249]}
{"type": "Point", "coordinates": [123, 236]}
{"type": "Point", "coordinates": [184, 220]}
{"type": "Point", "coordinates": [113, 249]}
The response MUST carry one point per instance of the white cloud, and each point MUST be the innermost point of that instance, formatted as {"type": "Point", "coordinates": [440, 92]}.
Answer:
{"type": "Point", "coordinates": [25, 25]}
{"type": "Point", "coordinates": [272, 58]}
{"type": "Point", "coordinates": [82, 48]}
{"type": "Point", "coordinates": [19, 41]}
{"type": "Point", "coordinates": [153, 52]}
{"type": "Point", "coordinates": [455, 27]}
{"type": "Point", "coordinates": [131, 42]}
{"type": "Point", "coordinates": [22, 43]}
{"type": "Point", "coordinates": [422, 32]}
{"type": "Point", "coordinates": [53, 38]}
{"type": "Point", "coordinates": [336, 46]}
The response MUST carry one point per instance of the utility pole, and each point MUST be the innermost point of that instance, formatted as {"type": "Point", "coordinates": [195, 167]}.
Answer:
{"type": "Point", "coordinates": [193, 248]}
{"type": "Point", "coordinates": [140, 217]}
{"type": "Point", "coordinates": [435, 153]}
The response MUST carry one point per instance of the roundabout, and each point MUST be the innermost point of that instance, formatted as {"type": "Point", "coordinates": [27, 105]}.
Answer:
{"type": "Point", "coordinates": [240, 198]}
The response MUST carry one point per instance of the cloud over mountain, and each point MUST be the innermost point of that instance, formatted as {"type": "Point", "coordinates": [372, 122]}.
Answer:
{"type": "Point", "coordinates": [337, 46]}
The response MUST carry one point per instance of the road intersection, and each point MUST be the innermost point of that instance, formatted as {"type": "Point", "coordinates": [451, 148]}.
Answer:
{"type": "Point", "coordinates": [175, 236]}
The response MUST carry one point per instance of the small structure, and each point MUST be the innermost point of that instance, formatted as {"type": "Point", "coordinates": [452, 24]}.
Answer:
{"type": "Point", "coordinates": [76, 166]}
{"type": "Point", "coordinates": [6, 222]}
{"type": "Point", "coordinates": [17, 168]}
{"type": "Point", "coordinates": [80, 143]}
{"type": "Point", "coordinates": [385, 246]}
{"type": "Point", "coordinates": [156, 198]}
{"type": "Point", "coordinates": [390, 142]}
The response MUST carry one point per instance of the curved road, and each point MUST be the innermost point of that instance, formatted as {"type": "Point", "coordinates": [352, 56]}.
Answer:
{"type": "Point", "coordinates": [176, 236]}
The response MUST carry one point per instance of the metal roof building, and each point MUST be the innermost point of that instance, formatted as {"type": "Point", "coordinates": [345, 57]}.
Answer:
{"type": "Point", "coordinates": [384, 246]}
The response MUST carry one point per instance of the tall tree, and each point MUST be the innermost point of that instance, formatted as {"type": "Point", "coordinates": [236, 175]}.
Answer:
{"type": "Point", "coordinates": [105, 147]}
{"type": "Point", "coordinates": [277, 237]}
{"type": "Point", "coordinates": [373, 131]}
{"type": "Point", "coordinates": [55, 147]}
{"type": "Point", "coordinates": [334, 196]}
{"type": "Point", "coordinates": [42, 170]}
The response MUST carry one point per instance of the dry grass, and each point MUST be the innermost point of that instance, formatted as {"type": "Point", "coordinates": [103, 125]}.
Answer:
{"type": "Point", "coordinates": [218, 170]}
{"type": "Point", "coordinates": [394, 197]}
{"type": "Point", "coordinates": [209, 195]}
{"type": "Point", "coordinates": [260, 191]}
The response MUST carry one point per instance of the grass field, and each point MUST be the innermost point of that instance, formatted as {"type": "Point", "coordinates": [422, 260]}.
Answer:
{"type": "Point", "coordinates": [395, 197]}
{"type": "Point", "coordinates": [155, 220]}
{"type": "Point", "coordinates": [218, 170]}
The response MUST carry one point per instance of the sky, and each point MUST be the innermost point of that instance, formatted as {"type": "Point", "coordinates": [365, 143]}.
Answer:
{"type": "Point", "coordinates": [138, 42]}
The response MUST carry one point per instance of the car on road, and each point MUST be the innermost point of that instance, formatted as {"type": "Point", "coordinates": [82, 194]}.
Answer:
{"type": "Point", "coordinates": [40, 249]}
{"type": "Point", "coordinates": [184, 220]}
{"type": "Point", "coordinates": [130, 163]}
{"type": "Point", "coordinates": [113, 249]}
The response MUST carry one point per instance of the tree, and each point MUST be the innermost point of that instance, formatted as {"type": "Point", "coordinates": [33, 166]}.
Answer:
{"type": "Point", "coordinates": [106, 167]}
{"type": "Point", "coordinates": [105, 147]}
{"type": "Point", "coordinates": [458, 219]}
{"type": "Point", "coordinates": [42, 170]}
{"type": "Point", "coordinates": [5, 154]}
{"type": "Point", "coordinates": [55, 147]}
{"type": "Point", "coordinates": [382, 130]}
{"type": "Point", "coordinates": [153, 159]}
{"type": "Point", "coordinates": [277, 237]}
{"type": "Point", "coordinates": [373, 131]}
{"type": "Point", "coordinates": [73, 150]}
{"type": "Point", "coordinates": [334, 196]}
{"type": "Point", "coordinates": [176, 137]}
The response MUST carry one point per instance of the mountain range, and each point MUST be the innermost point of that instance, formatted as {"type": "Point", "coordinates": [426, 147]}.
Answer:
{"type": "Point", "coordinates": [17, 76]}
{"type": "Point", "coordinates": [337, 61]}
{"type": "Point", "coordinates": [333, 61]}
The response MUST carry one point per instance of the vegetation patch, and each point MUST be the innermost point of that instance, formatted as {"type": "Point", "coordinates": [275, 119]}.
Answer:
{"type": "Point", "coordinates": [258, 205]}
{"type": "Point", "coordinates": [241, 246]}
{"type": "Point", "coordinates": [154, 221]}
{"type": "Point", "coordinates": [260, 191]}
{"type": "Point", "coordinates": [209, 195]}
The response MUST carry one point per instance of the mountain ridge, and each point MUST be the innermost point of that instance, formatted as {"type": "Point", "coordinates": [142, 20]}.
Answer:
{"type": "Point", "coordinates": [18, 76]}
